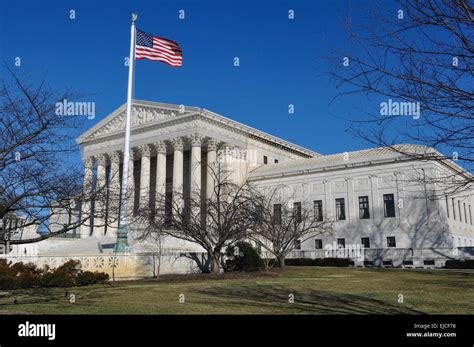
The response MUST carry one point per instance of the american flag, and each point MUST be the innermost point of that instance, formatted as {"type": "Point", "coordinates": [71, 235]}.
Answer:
{"type": "Point", "coordinates": [157, 48]}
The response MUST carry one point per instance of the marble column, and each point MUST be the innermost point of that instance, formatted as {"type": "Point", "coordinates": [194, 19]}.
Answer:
{"type": "Point", "coordinates": [196, 164]}
{"type": "Point", "coordinates": [351, 205]}
{"type": "Point", "coordinates": [114, 195]}
{"type": "Point", "coordinates": [375, 209]}
{"type": "Point", "coordinates": [145, 176]}
{"type": "Point", "coordinates": [101, 196]}
{"type": "Point", "coordinates": [178, 147]}
{"type": "Point", "coordinates": [85, 229]}
{"type": "Point", "coordinates": [328, 210]}
{"type": "Point", "coordinates": [160, 173]}
{"type": "Point", "coordinates": [211, 166]}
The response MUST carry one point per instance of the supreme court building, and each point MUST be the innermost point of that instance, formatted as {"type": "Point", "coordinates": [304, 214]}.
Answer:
{"type": "Point", "coordinates": [371, 195]}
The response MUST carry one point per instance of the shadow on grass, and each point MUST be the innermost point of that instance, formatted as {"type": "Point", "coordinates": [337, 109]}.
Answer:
{"type": "Point", "coordinates": [54, 296]}
{"type": "Point", "coordinates": [28, 297]}
{"type": "Point", "coordinates": [312, 302]}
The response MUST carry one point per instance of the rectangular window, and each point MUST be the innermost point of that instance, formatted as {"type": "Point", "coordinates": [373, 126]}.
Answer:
{"type": "Point", "coordinates": [447, 206]}
{"type": "Point", "coordinates": [277, 214]}
{"type": "Point", "coordinates": [318, 210]}
{"type": "Point", "coordinates": [365, 241]}
{"type": "Point", "coordinates": [276, 161]}
{"type": "Point", "coordinates": [340, 209]}
{"type": "Point", "coordinates": [391, 241]}
{"type": "Point", "coordinates": [454, 208]}
{"type": "Point", "coordinates": [297, 212]}
{"type": "Point", "coordinates": [297, 244]}
{"type": "Point", "coordinates": [388, 205]}
{"type": "Point", "coordinates": [318, 243]}
{"type": "Point", "coordinates": [465, 213]}
{"type": "Point", "coordinates": [364, 207]}
{"type": "Point", "coordinates": [470, 215]}
{"type": "Point", "coordinates": [459, 209]}
{"type": "Point", "coordinates": [265, 159]}
{"type": "Point", "coordinates": [341, 242]}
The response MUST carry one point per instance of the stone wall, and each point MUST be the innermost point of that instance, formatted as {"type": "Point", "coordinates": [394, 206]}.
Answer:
{"type": "Point", "coordinates": [124, 267]}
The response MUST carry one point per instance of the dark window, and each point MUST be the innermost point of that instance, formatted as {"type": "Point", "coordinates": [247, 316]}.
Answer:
{"type": "Point", "coordinates": [265, 159]}
{"type": "Point", "coordinates": [447, 207]}
{"type": "Point", "coordinates": [454, 208]}
{"type": "Point", "coordinates": [276, 161]}
{"type": "Point", "coordinates": [318, 243]}
{"type": "Point", "coordinates": [465, 213]}
{"type": "Point", "coordinates": [365, 242]}
{"type": "Point", "coordinates": [297, 212]}
{"type": "Point", "coordinates": [388, 205]}
{"type": "Point", "coordinates": [391, 241]}
{"type": "Point", "coordinates": [340, 209]}
{"type": "Point", "coordinates": [318, 210]}
{"type": "Point", "coordinates": [341, 242]}
{"type": "Point", "coordinates": [277, 214]}
{"type": "Point", "coordinates": [297, 244]}
{"type": "Point", "coordinates": [470, 215]}
{"type": "Point", "coordinates": [364, 207]}
{"type": "Point", "coordinates": [459, 209]}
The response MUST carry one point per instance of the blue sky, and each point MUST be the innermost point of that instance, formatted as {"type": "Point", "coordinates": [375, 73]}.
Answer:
{"type": "Point", "coordinates": [281, 60]}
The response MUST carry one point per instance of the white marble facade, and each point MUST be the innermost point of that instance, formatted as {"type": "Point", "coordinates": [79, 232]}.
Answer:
{"type": "Point", "coordinates": [171, 146]}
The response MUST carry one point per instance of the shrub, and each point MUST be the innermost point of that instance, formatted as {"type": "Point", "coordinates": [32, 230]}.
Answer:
{"type": "Point", "coordinates": [71, 268]}
{"type": "Point", "coordinates": [101, 277]}
{"type": "Point", "coordinates": [242, 256]}
{"type": "Point", "coordinates": [63, 276]}
{"type": "Point", "coordinates": [19, 275]}
{"type": "Point", "coordinates": [331, 262]}
{"type": "Point", "coordinates": [85, 278]}
{"type": "Point", "coordinates": [459, 264]}
{"type": "Point", "coordinates": [57, 279]}
{"type": "Point", "coordinates": [299, 262]}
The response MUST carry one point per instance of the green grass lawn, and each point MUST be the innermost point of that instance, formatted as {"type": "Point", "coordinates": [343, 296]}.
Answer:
{"type": "Point", "coordinates": [316, 290]}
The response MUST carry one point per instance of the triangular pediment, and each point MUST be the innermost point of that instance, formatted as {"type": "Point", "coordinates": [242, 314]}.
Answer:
{"type": "Point", "coordinates": [143, 113]}
{"type": "Point", "coordinates": [151, 114]}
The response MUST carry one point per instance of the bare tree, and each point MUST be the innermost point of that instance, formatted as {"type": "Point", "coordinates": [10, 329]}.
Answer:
{"type": "Point", "coordinates": [284, 223]}
{"type": "Point", "coordinates": [37, 178]}
{"type": "Point", "coordinates": [419, 55]}
{"type": "Point", "coordinates": [213, 222]}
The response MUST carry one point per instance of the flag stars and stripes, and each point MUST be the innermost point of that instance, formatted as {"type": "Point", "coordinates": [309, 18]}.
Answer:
{"type": "Point", "coordinates": [157, 48]}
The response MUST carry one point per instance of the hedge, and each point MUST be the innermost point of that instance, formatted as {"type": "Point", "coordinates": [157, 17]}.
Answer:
{"type": "Point", "coordinates": [459, 264]}
{"type": "Point", "coordinates": [341, 262]}
{"type": "Point", "coordinates": [19, 275]}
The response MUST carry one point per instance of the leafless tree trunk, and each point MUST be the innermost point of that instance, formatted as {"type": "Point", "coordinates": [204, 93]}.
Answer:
{"type": "Point", "coordinates": [212, 222]}
{"type": "Point", "coordinates": [283, 223]}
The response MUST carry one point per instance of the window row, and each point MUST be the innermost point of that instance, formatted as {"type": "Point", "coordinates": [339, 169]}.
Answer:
{"type": "Point", "coordinates": [364, 210]}
{"type": "Point", "coordinates": [265, 160]}
{"type": "Point", "coordinates": [459, 215]}
{"type": "Point", "coordinates": [365, 242]}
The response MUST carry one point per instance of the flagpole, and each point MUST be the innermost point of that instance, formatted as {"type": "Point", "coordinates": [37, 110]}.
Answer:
{"type": "Point", "coordinates": [122, 233]}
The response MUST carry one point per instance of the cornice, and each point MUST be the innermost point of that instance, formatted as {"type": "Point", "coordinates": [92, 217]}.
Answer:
{"type": "Point", "coordinates": [178, 114]}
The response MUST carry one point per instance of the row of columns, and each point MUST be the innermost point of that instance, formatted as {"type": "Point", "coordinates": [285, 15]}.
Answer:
{"type": "Point", "coordinates": [144, 153]}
